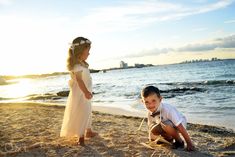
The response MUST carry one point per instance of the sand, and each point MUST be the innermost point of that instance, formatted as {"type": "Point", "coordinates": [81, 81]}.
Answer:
{"type": "Point", "coordinates": [32, 129]}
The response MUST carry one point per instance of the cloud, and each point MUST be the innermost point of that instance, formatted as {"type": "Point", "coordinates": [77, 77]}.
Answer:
{"type": "Point", "coordinates": [229, 21]}
{"type": "Point", "coordinates": [200, 29]}
{"type": "Point", "coordinates": [226, 42]}
{"type": "Point", "coordinates": [5, 2]}
{"type": "Point", "coordinates": [219, 43]}
{"type": "Point", "coordinates": [214, 6]}
{"type": "Point", "coordinates": [128, 16]}
{"type": "Point", "coordinates": [152, 52]}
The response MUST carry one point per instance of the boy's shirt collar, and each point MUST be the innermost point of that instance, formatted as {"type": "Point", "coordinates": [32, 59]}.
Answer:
{"type": "Point", "coordinates": [155, 113]}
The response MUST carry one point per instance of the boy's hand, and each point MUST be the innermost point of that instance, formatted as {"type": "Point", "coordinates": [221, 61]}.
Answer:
{"type": "Point", "coordinates": [190, 147]}
{"type": "Point", "coordinates": [182, 130]}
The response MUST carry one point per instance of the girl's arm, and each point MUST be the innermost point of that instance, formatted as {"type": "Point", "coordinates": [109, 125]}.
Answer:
{"type": "Point", "coordinates": [184, 133]}
{"type": "Point", "coordinates": [82, 86]}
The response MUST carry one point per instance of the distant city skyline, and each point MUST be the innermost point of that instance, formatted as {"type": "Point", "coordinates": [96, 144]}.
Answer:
{"type": "Point", "coordinates": [35, 34]}
{"type": "Point", "coordinates": [124, 64]}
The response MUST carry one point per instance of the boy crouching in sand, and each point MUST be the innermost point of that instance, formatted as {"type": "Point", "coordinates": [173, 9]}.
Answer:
{"type": "Point", "coordinates": [164, 119]}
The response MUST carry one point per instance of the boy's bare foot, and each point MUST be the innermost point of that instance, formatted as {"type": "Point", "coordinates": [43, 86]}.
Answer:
{"type": "Point", "coordinates": [178, 144]}
{"type": "Point", "coordinates": [81, 141]}
{"type": "Point", "coordinates": [90, 134]}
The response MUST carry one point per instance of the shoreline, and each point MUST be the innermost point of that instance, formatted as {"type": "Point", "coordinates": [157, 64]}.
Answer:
{"type": "Point", "coordinates": [116, 111]}
{"type": "Point", "coordinates": [119, 111]}
{"type": "Point", "coordinates": [32, 129]}
{"type": "Point", "coordinates": [139, 114]}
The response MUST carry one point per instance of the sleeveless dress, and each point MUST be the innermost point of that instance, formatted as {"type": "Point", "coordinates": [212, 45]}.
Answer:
{"type": "Point", "coordinates": [77, 115]}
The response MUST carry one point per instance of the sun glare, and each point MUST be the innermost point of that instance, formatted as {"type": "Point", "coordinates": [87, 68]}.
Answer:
{"type": "Point", "coordinates": [19, 89]}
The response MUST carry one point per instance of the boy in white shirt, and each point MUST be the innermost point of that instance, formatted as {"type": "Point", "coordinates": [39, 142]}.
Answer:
{"type": "Point", "coordinates": [164, 119]}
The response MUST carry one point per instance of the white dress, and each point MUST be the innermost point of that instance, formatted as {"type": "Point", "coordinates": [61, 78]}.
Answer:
{"type": "Point", "coordinates": [77, 115]}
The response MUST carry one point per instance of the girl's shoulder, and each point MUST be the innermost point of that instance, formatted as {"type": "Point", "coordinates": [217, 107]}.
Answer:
{"type": "Point", "coordinates": [78, 67]}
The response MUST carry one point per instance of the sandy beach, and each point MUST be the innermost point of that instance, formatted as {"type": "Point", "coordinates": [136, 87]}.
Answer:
{"type": "Point", "coordinates": [32, 129]}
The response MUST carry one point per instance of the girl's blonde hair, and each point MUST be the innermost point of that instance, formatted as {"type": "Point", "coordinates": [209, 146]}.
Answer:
{"type": "Point", "coordinates": [78, 46]}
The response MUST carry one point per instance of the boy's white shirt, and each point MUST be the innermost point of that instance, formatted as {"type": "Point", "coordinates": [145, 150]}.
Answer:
{"type": "Point", "coordinates": [167, 112]}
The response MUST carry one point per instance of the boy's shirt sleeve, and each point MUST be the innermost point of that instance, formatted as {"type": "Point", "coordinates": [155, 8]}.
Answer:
{"type": "Point", "coordinates": [174, 116]}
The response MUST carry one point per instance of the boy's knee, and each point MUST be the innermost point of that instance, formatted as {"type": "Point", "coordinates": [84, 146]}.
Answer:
{"type": "Point", "coordinates": [168, 125]}
{"type": "Point", "coordinates": [157, 129]}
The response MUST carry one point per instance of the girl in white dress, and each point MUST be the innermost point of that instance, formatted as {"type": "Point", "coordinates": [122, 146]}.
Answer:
{"type": "Point", "coordinates": [77, 115]}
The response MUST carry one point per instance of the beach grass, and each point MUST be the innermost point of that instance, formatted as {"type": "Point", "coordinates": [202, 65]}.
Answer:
{"type": "Point", "coordinates": [32, 129]}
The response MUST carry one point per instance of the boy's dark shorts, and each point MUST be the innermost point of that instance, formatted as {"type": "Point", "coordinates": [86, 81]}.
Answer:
{"type": "Point", "coordinates": [157, 128]}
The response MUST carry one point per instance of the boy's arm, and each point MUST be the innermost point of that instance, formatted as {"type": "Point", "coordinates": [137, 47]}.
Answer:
{"type": "Point", "coordinates": [185, 134]}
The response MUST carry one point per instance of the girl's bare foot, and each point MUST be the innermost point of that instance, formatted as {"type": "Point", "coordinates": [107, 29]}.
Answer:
{"type": "Point", "coordinates": [81, 141]}
{"type": "Point", "coordinates": [90, 134]}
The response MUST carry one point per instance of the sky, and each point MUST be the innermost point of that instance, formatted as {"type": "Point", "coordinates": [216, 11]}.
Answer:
{"type": "Point", "coordinates": [35, 35]}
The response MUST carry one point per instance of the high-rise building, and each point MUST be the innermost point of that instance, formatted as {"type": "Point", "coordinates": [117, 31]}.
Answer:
{"type": "Point", "coordinates": [123, 64]}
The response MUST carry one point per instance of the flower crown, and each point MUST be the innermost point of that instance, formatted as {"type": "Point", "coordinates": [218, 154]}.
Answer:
{"type": "Point", "coordinates": [79, 43]}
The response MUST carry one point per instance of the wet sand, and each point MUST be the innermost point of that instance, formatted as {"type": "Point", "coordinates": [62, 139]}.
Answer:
{"type": "Point", "coordinates": [32, 129]}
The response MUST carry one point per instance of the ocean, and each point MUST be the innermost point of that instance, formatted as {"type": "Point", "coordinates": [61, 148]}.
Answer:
{"type": "Point", "coordinates": [202, 91]}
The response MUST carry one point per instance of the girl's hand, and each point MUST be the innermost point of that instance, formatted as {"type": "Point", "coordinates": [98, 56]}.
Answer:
{"type": "Point", "coordinates": [88, 95]}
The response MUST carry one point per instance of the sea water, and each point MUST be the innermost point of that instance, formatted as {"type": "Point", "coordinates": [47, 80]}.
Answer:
{"type": "Point", "coordinates": [202, 91]}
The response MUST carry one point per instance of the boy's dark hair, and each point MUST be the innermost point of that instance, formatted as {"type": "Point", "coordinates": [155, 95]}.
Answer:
{"type": "Point", "coordinates": [146, 91]}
